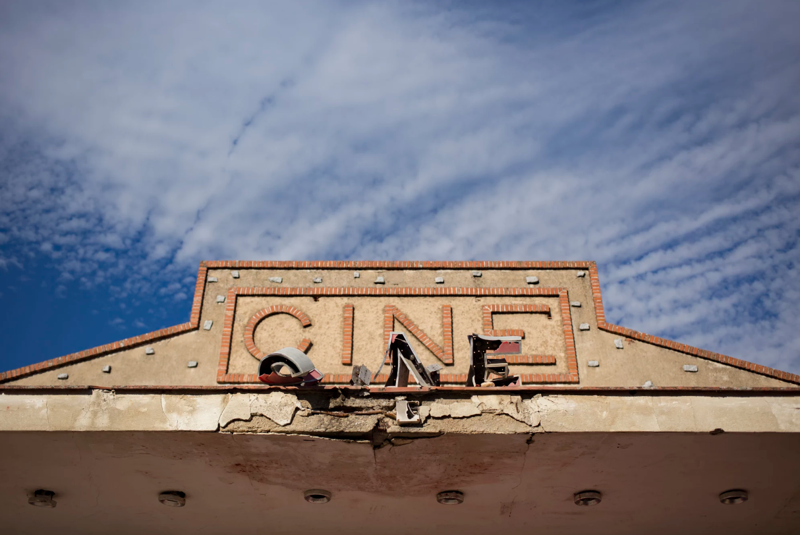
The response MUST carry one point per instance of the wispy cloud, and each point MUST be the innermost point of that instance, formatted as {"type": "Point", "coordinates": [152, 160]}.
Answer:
{"type": "Point", "coordinates": [659, 138]}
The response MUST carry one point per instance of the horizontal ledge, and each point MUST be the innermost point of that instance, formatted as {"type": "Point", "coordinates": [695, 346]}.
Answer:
{"type": "Point", "coordinates": [566, 389]}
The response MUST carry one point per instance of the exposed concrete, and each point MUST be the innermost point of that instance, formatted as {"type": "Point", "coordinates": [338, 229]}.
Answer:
{"type": "Point", "coordinates": [458, 409]}
{"type": "Point", "coordinates": [276, 406]}
{"type": "Point", "coordinates": [325, 413]}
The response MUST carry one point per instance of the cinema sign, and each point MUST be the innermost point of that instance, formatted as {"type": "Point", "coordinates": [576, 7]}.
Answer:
{"type": "Point", "coordinates": [342, 326]}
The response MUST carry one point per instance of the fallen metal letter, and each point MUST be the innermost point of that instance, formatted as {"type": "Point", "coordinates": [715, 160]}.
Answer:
{"type": "Point", "coordinates": [361, 376]}
{"type": "Point", "coordinates": [289, 366]}
{"type": "Point", "coordinates": [481, 366]}
{"type": "Point", "coordinates": [405, 361]}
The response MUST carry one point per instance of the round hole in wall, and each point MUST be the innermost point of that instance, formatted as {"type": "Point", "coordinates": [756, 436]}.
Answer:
{"type": "Point", "coordinates": [42, 498]}
{"type": "Point", "coordinates": [172, 498]}
{"type": "Point", "coordinates": [588, 497]}
{"type": "Point", "coordinates": [734, 496]}
{"type": "Point", "coordinates": [317, 496]}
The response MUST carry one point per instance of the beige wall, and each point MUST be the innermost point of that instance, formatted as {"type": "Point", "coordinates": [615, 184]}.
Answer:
{"type": "Point", "coordinates": [637, 363]}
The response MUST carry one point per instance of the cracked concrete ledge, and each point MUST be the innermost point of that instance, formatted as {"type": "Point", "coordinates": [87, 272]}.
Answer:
{"type": "Point", "coordinates": [325, 413]}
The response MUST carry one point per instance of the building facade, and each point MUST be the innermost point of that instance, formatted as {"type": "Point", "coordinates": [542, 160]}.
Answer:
{"type": "Point", "coordinates": [659, 430]}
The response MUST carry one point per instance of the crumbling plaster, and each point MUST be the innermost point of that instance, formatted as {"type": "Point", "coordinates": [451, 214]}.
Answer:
{"type": "Point", "coordinates": [358, 413]}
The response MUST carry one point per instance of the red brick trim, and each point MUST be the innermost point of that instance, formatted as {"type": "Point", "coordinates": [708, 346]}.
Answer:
{"type": "Point", "coordinates": [227, 334]}
{"type": "Point", "coordinates": [377, 388]}
{"type": "Point", "coordinates": [530, 359]}
{"type": "Point", "coordinates": [675, 346]}
{"type": "Point", "coordinates": [127, 343]}
{"type": "Point", "coordinates": [391, 312]}
{"type": "Point", "coordinates": [387, 264]}
{"type": "Point", "coordinates": [489, 310]}
{"type": "Point", "coordinates": [261, 315]}
{"type": "Point", "coordinates": [346, 291]}
{"type": "Point", "coordinates": [447, 334]}
{"type": "Point", "coordinates": [536, 378]}
{"type": "Point", "coordinates": [347, 335]}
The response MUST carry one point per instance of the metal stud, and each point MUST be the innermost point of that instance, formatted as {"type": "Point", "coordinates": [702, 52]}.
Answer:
{"type": "Point", "coordinates": [732, 497]}
{"type": "Point", "coordinates": [450, 497]}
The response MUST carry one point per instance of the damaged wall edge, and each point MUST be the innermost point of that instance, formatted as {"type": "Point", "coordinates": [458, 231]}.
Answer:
{"type": "Point", "coordinates": [343, 412]}
{"type": "Point", "coordinates": [525, 389]}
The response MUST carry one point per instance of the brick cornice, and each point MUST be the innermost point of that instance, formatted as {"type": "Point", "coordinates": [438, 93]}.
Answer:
{"type": "Point", "coordinates": [388, 264]}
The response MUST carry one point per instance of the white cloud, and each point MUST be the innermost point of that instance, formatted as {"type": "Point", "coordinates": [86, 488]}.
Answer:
{"type": "Point", "coordinates": [659, 140]}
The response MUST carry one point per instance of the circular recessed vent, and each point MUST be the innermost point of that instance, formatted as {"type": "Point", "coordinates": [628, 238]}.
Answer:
{"type": "Point", "coordinates": [450, 497]}
{"type": "Point", "coordinates": [588, 497]}
{"type": "Point", "coordinates": [172, 498]}
{"type": "Point", "coordinates": [42, 498]}
{"type": "Point", "coordinates": [731, 497]}
{"type": "Point", "coordinates": [317, 496]}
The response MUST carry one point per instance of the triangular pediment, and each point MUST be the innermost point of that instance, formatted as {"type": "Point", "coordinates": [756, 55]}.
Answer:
{"type": "Point", "coordinates": [340, 313]}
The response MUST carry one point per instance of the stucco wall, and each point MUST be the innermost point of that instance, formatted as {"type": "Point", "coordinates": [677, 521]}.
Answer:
{"type": "Point", "coordinates": [637, 363]}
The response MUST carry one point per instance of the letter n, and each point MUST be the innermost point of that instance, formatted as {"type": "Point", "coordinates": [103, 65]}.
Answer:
{"type": "Point", "coordinates": [391, 313]}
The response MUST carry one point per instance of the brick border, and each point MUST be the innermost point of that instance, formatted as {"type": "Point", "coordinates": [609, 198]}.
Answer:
{"type": "Point", "coordinates": [127, 343]}
{"type": "Point", "coordinates": [347, 334]}
{"type": "Point", "coordinates": [264, 313]}
{"type": "Point", "coordinates": [204, 266]}
{"type": "Point", "coordinates": [394, 264]}
{"type": "Point", "coordinates": [534, 378]}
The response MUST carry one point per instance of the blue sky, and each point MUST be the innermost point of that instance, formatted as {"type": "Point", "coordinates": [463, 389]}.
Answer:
{"type": "Point", "coordinates": [658, 138]}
